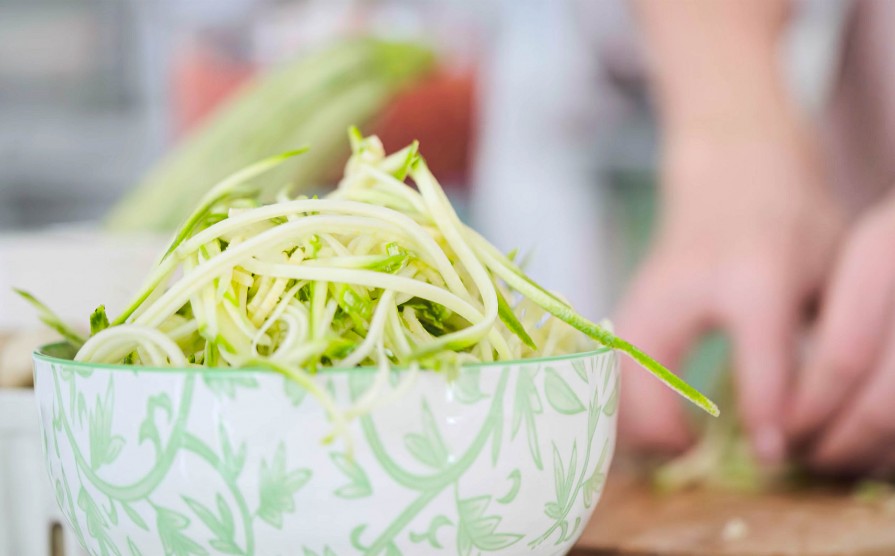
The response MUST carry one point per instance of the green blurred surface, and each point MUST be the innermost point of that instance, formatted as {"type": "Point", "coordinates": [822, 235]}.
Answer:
{"type": "Point", "coordinates": [308, 102]}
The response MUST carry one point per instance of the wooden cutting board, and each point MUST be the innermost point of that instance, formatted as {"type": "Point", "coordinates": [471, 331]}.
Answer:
{"type": "Point", "coordinates": [632, 520]}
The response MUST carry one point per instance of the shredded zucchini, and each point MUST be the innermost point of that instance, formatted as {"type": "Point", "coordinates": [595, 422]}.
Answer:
{"type": "Point", "coordinates": [377, 273]}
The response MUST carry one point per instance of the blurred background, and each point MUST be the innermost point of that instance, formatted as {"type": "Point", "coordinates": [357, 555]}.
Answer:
{"type": "Point", "coordinates": [530, 112]}
{"type": "Point", "coordinates": [530, 108]}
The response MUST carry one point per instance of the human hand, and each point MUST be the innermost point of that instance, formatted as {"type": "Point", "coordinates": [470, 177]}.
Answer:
{"type": "Point", "coordinates": [746, 238]}
{"type": "Point", "coordinates": [843, 414]}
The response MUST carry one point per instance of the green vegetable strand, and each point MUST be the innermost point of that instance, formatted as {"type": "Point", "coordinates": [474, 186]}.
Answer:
{"type": "Point", "coordinates": [375, 274]}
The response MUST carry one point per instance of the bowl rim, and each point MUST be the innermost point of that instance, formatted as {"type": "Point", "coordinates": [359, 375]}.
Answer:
{"type": "Point", "coordinates": [39, 355]}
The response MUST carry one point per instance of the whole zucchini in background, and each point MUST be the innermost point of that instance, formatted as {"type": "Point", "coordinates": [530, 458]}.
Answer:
{"type": "Point", "coordinates": [310, 101]}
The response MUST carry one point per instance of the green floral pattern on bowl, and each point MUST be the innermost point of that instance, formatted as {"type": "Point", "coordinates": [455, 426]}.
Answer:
{"type": "Point", "coordinates": [506, 459]}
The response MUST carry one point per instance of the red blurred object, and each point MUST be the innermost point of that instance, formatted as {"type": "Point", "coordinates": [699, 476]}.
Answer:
{"type": "Point", "coordinates": [439, 112]}
{"type": "Point", "coordinates": [201, 79]}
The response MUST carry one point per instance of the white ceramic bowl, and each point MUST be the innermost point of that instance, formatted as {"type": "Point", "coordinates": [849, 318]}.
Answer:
{"type": "Point", "coordinates": [508, 459]}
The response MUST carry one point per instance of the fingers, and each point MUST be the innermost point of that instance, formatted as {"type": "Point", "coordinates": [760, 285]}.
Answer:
{"type": "Point", "coordinates": [863, 435]}
{"type": "Point", "coordinates": [664, 315]}
{"type": "Point", "coordinates": [761, 310]}
{"type": "Point", "coordinates": [856, 310]}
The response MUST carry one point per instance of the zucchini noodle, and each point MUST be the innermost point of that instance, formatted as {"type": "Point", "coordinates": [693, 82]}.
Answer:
{"type": "Point", "coordinates": [376, 274]}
